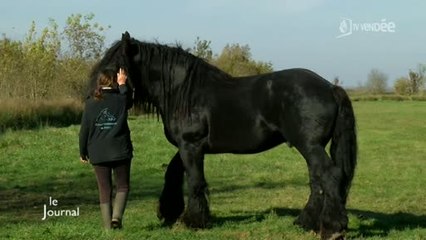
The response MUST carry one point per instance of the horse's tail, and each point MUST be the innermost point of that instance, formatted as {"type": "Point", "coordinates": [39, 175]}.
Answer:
{"type": "Point", "coordinates": [343, 148]}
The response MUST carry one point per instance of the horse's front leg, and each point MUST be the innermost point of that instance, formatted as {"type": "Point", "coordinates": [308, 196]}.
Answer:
{"type": "Point", "coordinates": [197, 214]}
{"type": "Point", "coordinates": [171, 203]}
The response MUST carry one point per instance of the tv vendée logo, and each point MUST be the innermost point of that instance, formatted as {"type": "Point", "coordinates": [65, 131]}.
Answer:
{"type": "Point", "coordinates": [348, 27]}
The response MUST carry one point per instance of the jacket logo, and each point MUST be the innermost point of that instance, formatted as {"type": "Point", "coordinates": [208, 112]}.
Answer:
{"type": "Point", "coordinates": [105, 119]}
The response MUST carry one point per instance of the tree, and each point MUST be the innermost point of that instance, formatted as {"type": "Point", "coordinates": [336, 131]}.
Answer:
{"type": "Point", "coordinates": [85, 38]}
{"type": "Point", "coordinates": [39, 65]}
{"type": "Point", "coordinates": [412, 84]}
{"type": "Point", "coordinates": [85, 41]}
{"type": "Point", "coordinates": [38, 68]}
{"type": "Point", "coordinates": [237, 61]}
{"type": "Point", "coordinates": [234, 59]}
{"type": "Point", "coordinates": [402, 86]}
{"type": "Point", "coordinates": [202, 49]}
{"type": "Point", "coordinates": [416, 79]}
{"type": "Point", "coordinates": [377, 82]}
{"type": "Point", "coordinates": [10, 66]}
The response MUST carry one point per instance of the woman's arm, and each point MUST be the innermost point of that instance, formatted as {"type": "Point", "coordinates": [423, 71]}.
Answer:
{"type": "Point", "coordinates": [121, 80]}
{"type": "Point", "coordinates": [84, 136]}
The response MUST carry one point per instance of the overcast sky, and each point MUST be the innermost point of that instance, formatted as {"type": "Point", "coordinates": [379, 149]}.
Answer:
{"type": "Point", "coordinates": [334, 38]}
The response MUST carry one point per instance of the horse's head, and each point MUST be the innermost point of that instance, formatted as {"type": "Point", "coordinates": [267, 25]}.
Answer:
{"type": "Point", "coordinates": [144, 65]}
{"type": "Point", "coordinates": [123, 54]}
{"type": "Point", "coordinates": [129, 57]}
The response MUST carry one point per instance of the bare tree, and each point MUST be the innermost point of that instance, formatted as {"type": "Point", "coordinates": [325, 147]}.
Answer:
{"type": "Point", "coordinates": [416, 79]}
{"type": "Point", "coordinates": [377, 81]}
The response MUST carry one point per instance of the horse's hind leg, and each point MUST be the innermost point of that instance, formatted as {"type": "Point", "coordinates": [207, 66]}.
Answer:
{"type": "Point", "coordinates": [309, 218]}
{"type": "Point", "coordinates": [326, 178]}
{"type": "Point", "coordinates": [334, 218]}
{"type": "Point", "coordinates": [171, 203]}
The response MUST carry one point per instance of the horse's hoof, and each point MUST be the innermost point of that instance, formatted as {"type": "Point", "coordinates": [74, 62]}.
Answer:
{"type": "Point", "coordinates": [333, 236]}
{"type": "Point", "coordinates": [168, 217]}
{"type": "Point", "coordinates": [196, 222]}
{"type": "Point", "coordinates": [307, 223]}
{"type": "Point", "coordinates": [167, 221]}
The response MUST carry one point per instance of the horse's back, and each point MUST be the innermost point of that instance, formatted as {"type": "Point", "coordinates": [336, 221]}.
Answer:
{"type": "Point", "coordinates": [291, 80]}
{"type": "Point", "coordinates": [299, 102]}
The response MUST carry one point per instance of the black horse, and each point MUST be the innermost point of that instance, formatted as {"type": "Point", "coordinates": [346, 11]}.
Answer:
{"type": "Point", "coordinates": [205, 110]}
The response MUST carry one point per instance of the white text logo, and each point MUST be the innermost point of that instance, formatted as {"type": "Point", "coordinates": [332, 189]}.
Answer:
{"type": "Point", "coordinates": [348, 27]}
{"type": "Point", "coordinates": [51, 210]}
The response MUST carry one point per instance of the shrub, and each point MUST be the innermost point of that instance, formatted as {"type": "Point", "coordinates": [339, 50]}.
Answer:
{"type": "Point", "coordinates": [418, 98]}
{"type": "Point", "coordinates": [21, 114]}
{"type": "Point", "coordinates": [402, 86]}
{"type": "Point", "coordinates": [395, 97]}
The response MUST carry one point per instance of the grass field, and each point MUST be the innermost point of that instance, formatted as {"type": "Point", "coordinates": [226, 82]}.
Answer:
{"type": "Point", "coordinates": [251, 196]}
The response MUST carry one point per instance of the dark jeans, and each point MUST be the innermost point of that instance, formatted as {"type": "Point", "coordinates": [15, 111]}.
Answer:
{"type": "Point", "coordinates": [104, 172]}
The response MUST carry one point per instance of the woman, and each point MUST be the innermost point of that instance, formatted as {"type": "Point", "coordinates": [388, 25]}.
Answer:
{"type": "Point", "coordinates": [105, 140]}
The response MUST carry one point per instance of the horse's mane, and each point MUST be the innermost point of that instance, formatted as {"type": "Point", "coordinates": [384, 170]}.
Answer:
{"type": "Point", "coordinates": [177, 95]}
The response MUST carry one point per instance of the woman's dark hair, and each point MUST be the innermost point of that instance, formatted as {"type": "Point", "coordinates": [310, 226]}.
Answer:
{"type": "Point", "coordinates": [106, 78]}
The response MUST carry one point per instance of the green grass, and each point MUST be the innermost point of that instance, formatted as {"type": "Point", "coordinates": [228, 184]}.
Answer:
{"type": "Point", "coordinates": [251, 196]}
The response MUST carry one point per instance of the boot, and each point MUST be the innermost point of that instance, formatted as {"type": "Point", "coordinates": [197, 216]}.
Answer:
{"type": "Point", "coordinates": [106, 215]}
{"type": "Point", "coordinates": [118, 210]}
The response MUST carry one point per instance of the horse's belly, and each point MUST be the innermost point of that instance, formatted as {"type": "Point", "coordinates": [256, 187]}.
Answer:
{"type": "Point", "coordinates": [235, 140]}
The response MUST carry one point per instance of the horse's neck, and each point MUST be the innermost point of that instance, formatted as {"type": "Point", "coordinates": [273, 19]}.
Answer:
{"type": "Point", "coordinates": [164, 80]}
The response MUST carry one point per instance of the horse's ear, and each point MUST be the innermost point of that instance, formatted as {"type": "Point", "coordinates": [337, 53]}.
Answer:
{"type": "Point", "coordinates": [125, 41]}
{"type": "Point", "coordinates": [129, 49]}
{"type": "Point", "coordinates": [125, 36]}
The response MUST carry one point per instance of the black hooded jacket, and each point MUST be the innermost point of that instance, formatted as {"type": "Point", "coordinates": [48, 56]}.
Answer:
{"type": "Point", "coordinates": [104, 132]}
